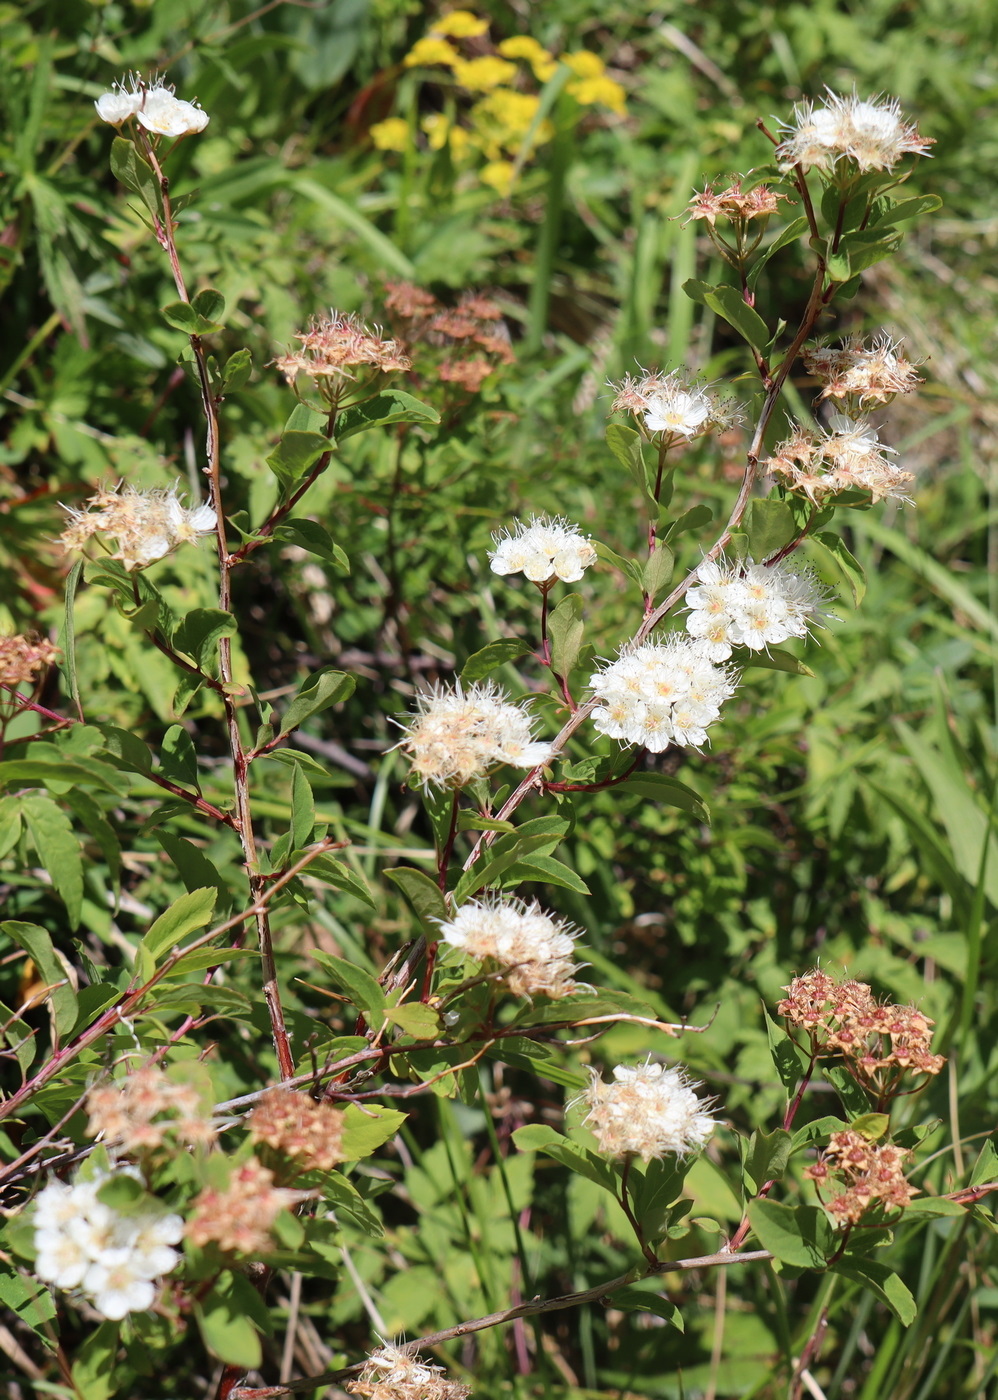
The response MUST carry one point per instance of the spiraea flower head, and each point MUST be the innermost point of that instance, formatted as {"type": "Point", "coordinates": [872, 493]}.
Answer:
{"type": "Point", "coordinates": [23, 659]}
{"type": "Point", "coordinates": [116, 1260]}
{"type": "Point", "coordinates": [661, 693]}
{"type": "Point", "coordinates": [850, 456]}
{"type": "Point", "coordinates": [146, 1109]}
{"type": "Point", "coordinates": [240, 1218]}
{"type": "Point", "coordinates": [733, 203]}
{"type": "Point", "coordinates": [751, 605]}
{"type": "Point", "coordinates": [339, 350]}
{"type": "Point", "coordinates": [868, 1175]}
{"type": "Point", "coordinates": [543, 550]}
{"type": "Point", "coordinates": [295, 1124]}
{"type": "Point", "coordinates": [533, 950]}
{"type": "Point", "coordinates": [873, 135]}
{"type": "Point", "coordinates": [676, 404]}
{"type": "Point", "coordinates": [154, 106]}
{"type": "Point", "coordinates": [145, 525]}
{"type": "Point", "coordinates": [862, 375]}
{"type": "Point", "coordinates": [392, 1373]}
{"type": "Point", "coordinates": [457, 735]}
{"type": "Point", "coordinates": [647, 1111]}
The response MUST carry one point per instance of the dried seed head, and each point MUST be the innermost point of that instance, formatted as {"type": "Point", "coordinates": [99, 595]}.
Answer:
{"type": "Point", "coordinates": [22, 659]}
{"type": "Point", "coordinates": [239, 1219]}
{"type": "Point", "coordinates": [390, 1373]}
{"type": "Point", "coordinates": [298, 1126]}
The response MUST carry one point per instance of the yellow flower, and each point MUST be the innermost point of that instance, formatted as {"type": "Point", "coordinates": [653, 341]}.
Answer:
{"type": "Point", "coordinates": [483, 74]}
{"type": "Point", "coordinates": [436, 127]}
{"type": "Point", "coordinates": [460, 24]}
{"type": "Point", "coordinates": [391, 135]}
{"type": "Point", "coordinates": [598, 92]}
{"type": "Point", "coordinates": [584, 64]}
{"type": "Point", "coordinates": [430, 50]}
{"type": "Point", "coordinates": [503, 118]}
{"type": "Point", "coordinates": [459, 139]}
{"type": "Point", "coordinates": [523, 46]}
{"type": "Point", "coordinates": [498, 174]}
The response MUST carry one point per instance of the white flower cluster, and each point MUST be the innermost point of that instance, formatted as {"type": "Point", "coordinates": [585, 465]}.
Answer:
{"type": "Point", "coordinates": [676, 404]}
{"type": "Point", "coordinates": [534, 950]}
{"type": "Point", "coordinates": [849, 457]}
{"type": "Point", "coordinates": [662, 693]}
{"type": "Point", "coordinates": [543, 551]}
{"type": "Point", "coordinates": [156, 108]}
{"type": "Point", "coordinates": [115, 1259]}
{"type": "Point", "coordinates": [146, 525]}
{"type": "Point", "coordinates": [458, 735]}
{"type": "Point", "coordinates": [873, 135]}
{"type": "Point", "coordinates": [647, 1111]}
{"type": "Point", "coordinates": [860, 374]}
{"type": "Point", "coordinates": [751, 605]}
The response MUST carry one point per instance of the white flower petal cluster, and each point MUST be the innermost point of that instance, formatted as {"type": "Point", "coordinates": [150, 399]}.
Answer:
{"type": "Point", "coordinates": [543, 550]}
{"type": "Point", "coordinates": [662, 693]}
{"type": "Point", "coordinates": [873, 135]}
{"type": "Point", "coordinates": [751, 605]}
{"type": "Point", "coordinates": [457, 735]}
{"type": "Point", "coordinates": [145, 525]}
{"type": "Point", "coordinates": [677, 404]}
{"type": "Point", "coordinates": [862, 375]}
{"type": "Point", "coordinates": [116, 1260]}
{"type": "Point", "coordinates": [534, 950]}
{"type": "Point", "coordinates": [849, 457]}
{"type": "Point", "coordinates": [647, 1111]}
{"type": "Point", "coordinates": [157, 108]}
{"type": "Point", "coordinates": [390, 1373]}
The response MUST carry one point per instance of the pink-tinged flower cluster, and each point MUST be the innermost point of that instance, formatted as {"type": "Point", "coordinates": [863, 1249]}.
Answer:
{"type": "Point", "coordinates": [457, 735]}
{"type": "Point", "coordinates": [862, 375]}
{"type": "Point", "coordinates": [155, 107]}
{"type": "Point", "coordinates": [308, 1132]}
{"type": "Point", "coordinates": [661, 693]}
{"type": "Point", "coordinates": [751, 605]}
{"type": "Point", "coordinates": [676, 404]}
{"type": "Point", "coordinates": [240, 1218]}
{"type": "Point", "coordinates": [115, 1260]}
{"type": "Point", "coordinates": [23, 659]}
{"type": "Point", "coordinates": [147, 1109]}
{"type": "Point", "coordinates": [647, 1111]}
{"type": "Point", "coordinates": [543, 550]}
{"type": "Point", "coordinates": [873, 135]}
{"type": "Point", "coordinates": [866, 1174]}
{"type": "Point", "coordinates": [734, 203]}
{"type": "Point", "coordinates": [145, 525]}
{"type": "Point", "coordinates": [338, 350]}
{"type": "Point", "coordinates": [849, 457]}
{"type": "Point", "coordinates": [534, 951]}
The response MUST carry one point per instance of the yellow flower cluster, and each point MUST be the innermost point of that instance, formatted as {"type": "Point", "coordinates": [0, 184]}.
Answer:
{"type": "Point", "coordinates": [502, 122]}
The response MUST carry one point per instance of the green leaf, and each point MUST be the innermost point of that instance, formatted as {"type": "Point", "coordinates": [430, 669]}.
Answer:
{"type": "Point", "coordinates": [178, 758]}
{"type": "Point", "coordinates": [363, 990]}
{"type": "Point", "coordinates": [986, 1166]}
{"type": "Point", "coordinates": [38, 945]}
{"type": "Point", "coordinates": [832, 548]}
{"type": "Point", "coordinates": [338, 874]}
{"type": "Point", "coordinates": [302, 808]}
{"type": "Point", "coordinates": [627, 445]}
{"type": "Point", "coordinates": [199, 631]}
{"type": "Point", "coordinates": [423, 894]}
{"type": "Point", "coordinates": [538, 1137]}
{"type": "Point", "coordinates": [691, 519]}
{"type": "Point", "coordinates": [391, 406]}
{"type": "Point", "coordinates": [308, 535]}
{"type": "Point", "coordinates": [136, 174]}
{"type": "Point", "coordinates": [697, 290]}
{"type": "Point", "coordinates": [295, 454]}
{"type": "Point", "coordinates": [565, 632]}
{"type": "Point", "coordinates": [24, 1296]}
{"type": "Point", "coordinates": [531, 836]}
{"type": "Point", "coordinates": [10, 824]}
{"type": "Point", "coordinates": [186, 914]}
{"type": "Point", "coordinates": [802, 1237]}
{"type": "Point", "coordinates": [20, 1039]}
{"type": "Point", "coordinates": [482, 663]}
{"type": "Point", "coordinates": [545, 870]}
{"type": "Point", "coordinates": [93, 818]}
{"type": "Point", "coordinates": [238, 368]}
{"type": "Point", "coordinates": [57, 774]}
{"type": "Point", "coordinates": [365, 1129]}
{"type": "Point", "coordinates": [316, 693]}
{"type": "Point", "coordinates": [209, 304]}
{"type": "Point", "coordinates": [415, 1019]}
{"type": "Point", "coordinates": [661, 788]}
{"type": "Point", "coordinates": [225, 1327]}
{"type": "Point", "coordinates": [657, 573]}
{"type": "Point", "coordinates": [882, 1281]}
{"type": "Point", "coordinates": [93, 1369]}
{"type": "Point", "coordinates": [58, 850]}
{"type": "Point", "coordinates": [728, 303]}
{"type": "Point", "coordinates": [194, 867]}
{"type": "Point", "coordinates": [794, 230]}
{"type": "Point", "coordinates": [769, 525]}
{"type": "Point", "coordinates": [789, 1060]}
{"type": "Point", "coordinates": [766, 1156]}
{"type": "Point", "coordinates": [635, 1298]}
{"type": "Point", "coordinates": [182, 316]}
{"type": "Point", "coordinates": [906, 209]}
{"type": "Point", "coordinates": [68, 640]}
{"type": "Point", "coordinates": [774, 660]}
{"type": "Point", "coordinates": [127, 750]}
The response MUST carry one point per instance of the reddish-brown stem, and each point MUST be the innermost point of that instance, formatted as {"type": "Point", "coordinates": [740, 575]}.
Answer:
{"type": "Point", "coordinates": [267, 528]}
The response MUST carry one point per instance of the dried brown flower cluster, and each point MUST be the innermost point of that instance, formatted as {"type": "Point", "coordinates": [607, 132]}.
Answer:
{"type": "Point", "coordinates": [145, 525]}
{"type": "Point", "coordinates": [22, 658]}
{"type": "Point", "coordinates": [337, 352]}
{"type": "Point", "coordinates": [299, 1127]}
{"type": "Point", "coordinates": [240, 1218]}
{"type": "Point", "coordinates": [733, 203]}
{"type": "Point", "coordinates": [473, 333]}
{"type": "Point", "coordinates": [862, 375]}
{"type": "Point", "coordinates": [147, 1109]}
{"type": "Point", "coordinates": [393, 1374]}
{"type": "Point", "coordinates": [849, 457]}
{"type": "Point", "coordinates": [878, 1041]}
{"type": "Point", "coordinates": [867, 1172]}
